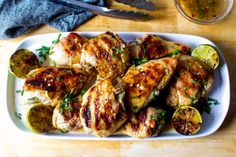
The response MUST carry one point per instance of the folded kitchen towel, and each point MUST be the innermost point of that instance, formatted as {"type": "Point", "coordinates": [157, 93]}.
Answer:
{"type": "Point", "coordinates": [20, 16]}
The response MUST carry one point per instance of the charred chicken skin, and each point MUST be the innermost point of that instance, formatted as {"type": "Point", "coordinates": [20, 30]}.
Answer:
{"type": "Point", "coordinates": [154, 47]}
{"type": "Point", "coordinates": [66, 114]}
{"type": "Point", "coordinates": [53, 83]}
{"type": "Point", "coordinates": [68, 50]}
{"type": "Point", "coordinates": [144, 82]}
{"type": "Point", "coordinates": [107, 53]}
{"type": "Point", "coordinates": [192, 81]}
{"type": "Point", "coordinates": [148, 122]}
{"type": "Point", "coordinates": [103, 110]}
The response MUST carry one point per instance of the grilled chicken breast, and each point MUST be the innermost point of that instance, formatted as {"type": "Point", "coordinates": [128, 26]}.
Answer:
{"type": "Point", "coordinates": [66, 115]}
{"type": "Point", "coordinates": [102, 111]}
{"type": "Point", "coordinates": [148, 122]}
{"type": "Point", "coordinates": [144, 82]}
{"type": "Point", "coordinates": [107, 53]}
{"type": "Point", "coordinates": [68, 50]}
{"type": "Point", "coordinates": [153, 47]}
{"type": "Point", "coordinates": [192, 81]}
{"type": "Point", "coordinates": [51, 84]}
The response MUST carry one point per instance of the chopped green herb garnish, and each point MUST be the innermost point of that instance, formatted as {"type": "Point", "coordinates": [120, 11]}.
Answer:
{"type": "Point", "coordinates": [33, 98]}
{"type": "Point", "coordinates": [155, 93]}
{"type": "Point", "coordinates": [193, 81]}
{"type": "Point", "coordinates": [68, 71]}
{"type": "Point", "coordinates": [44, 51]}
{"type": "Point", "coordinates": [20, 91]}
{"type": "Point", "coordinates": [206, 106]}
{"type": "Point", "coordinates": [144, 50]}
{"type": "Point", "coordinates": [54, 63]}
{"type": "Point", "coordinates": [158, 117]}
{"type": "Point", "coordinates": [82, 92]}
{"type": "Point", "coordinates": [134, 97]}
{"type": "Point", "coordinates": [137, 61]}
{"type": "Point", "coordinates": [56, 40]}
{"type": "Point", "coordinates": [58, 78]}
{"type": "Point", "coordinates": [212, 100]}
{"type": "Point", "coordinates": [64, 131]}
{"type": "Point", "coordinates": [116, 51]}
{"type": "Point", "coordinates": [175, 52]}
{"type": "Point", "coordinates": [41, 62]}
{"type": "Point", "coordinates": [135, 107]}
{"type": "Point", "coordinates": [66, 101]}
{"type": "Point", "coordinates": [18, 115]}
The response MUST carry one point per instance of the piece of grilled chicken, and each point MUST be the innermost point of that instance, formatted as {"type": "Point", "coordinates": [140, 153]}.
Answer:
{"type": "Point", "coordinates": [192, 81]}
{"type": "Point", "coordinates": [66, 114]}
{"type": "Point", "coordinates": [50, 84]}
{"type": "Point", "coordinates": [107, 53]}
{"type": "Point", "coordinates": [153, 47]}
{"type": "Point", "coordinates": [103, 111]}
{"type": "Point", "coordinates": [68, 50]}
{"type": "Point", "coordinates": [142, 83]}
{"type": "Point", "coordinates": [148, 122]}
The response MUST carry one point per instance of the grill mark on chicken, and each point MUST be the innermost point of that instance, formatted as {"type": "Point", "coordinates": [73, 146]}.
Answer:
{"type": "Point", "coordinates": [142, 83]}
{"type": "Point", "coordinates": [107, 53]}
{"type": "Point", "coordinates": [75, 110]}
{"type": "Point", "coordinates": [105, 109]}
{"type": "Point", "coordinates": [97, 114]}
{"type": "Point", "coordinates": [87, 116]}
{"type": "Point", "coordinates": [145, 78]}
{"type": "Point", "coordinates": [46, 80]}
{"type": "Point", "coordinates": [187, 87]}
{"type": "Point", "coordinates": [53, 83]}
{"type": "Point", "coordinates": [142, 116]}
{"type": "Point", "coordinates": [155, 48]}
{"type": "Point", "coordinates": [145, 123]}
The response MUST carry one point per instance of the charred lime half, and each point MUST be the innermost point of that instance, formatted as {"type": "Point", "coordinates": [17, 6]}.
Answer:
{"type": "Point", "coordinates": [187, 120]}
{"type": "Point", "coordinates": [39, 118]}
{"type": "Point", "coordinates": [207, 54]}
{"type": "Point", "coordinates": [22, 62]}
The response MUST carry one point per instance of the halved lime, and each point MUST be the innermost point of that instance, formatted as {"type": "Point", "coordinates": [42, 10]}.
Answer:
{"type": "Point", "coordinates": [187, 120]}
{"type": "Point", "coordinates": [39, 118]}
{"type": "Point", "coordinates": [207, 54]}
{"type": "Point", "coordinates": [22, 62]}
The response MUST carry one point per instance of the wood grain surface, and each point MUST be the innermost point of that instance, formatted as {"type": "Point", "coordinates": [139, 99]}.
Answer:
{"type": "Point", "coordinates": [167, 19]}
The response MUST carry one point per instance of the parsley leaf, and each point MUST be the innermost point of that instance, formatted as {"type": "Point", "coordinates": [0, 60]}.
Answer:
{"type": "Point", "coordinates": [138, 61]}
{"type": "Point", "coordinates": [18, 115]}
{"type": "Point", "coordinates": [158, 117]}
{"type": "Point", "coordinates": [207, 104]}
{"type": "Point", "coordinates": [45, 51]}
{"type": "Point", "coordinates": [20, 91]}
{"type": "Point", "coordinates": [56, 40]}
{"type": "Point", "coordinates": [175, 52]}
{"type": "Point", "coordinates": [66, 101]}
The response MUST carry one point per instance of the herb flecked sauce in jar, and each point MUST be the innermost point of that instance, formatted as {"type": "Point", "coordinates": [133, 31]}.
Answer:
{"type": "Point", "coordinates": [201, 9]}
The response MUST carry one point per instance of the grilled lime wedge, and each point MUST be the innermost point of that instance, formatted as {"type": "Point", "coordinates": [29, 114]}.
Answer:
{"type": "Point", "coordinates": [22, 62]}
{"type": "Point", "coordinates": [186, 120]}
{"type": "Point", "coordinates": [207, 54]}
{"type": "Point", "coordinates": [39, 118]}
